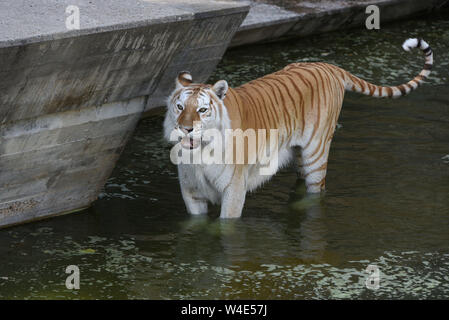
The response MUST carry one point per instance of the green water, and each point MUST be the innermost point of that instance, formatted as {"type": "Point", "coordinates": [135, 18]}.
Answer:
{"type": "Point", "coordinates": [387, 200]}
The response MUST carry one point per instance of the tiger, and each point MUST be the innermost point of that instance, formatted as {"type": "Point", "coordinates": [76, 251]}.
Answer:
{"type": "Point", "coordinates": [302, 102]}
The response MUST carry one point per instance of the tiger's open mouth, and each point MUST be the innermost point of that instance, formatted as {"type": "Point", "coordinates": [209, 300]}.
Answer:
{"type": "Point", "coordinates": [190, 143]}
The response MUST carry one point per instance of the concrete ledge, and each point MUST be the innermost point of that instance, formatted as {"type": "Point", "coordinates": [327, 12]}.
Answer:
{"type": "Point", "coordinates": [28, 21]}
{"type": "Point", "coordinates": [71, 99]}
{"type": "Point", "coordinates": [269, 21]}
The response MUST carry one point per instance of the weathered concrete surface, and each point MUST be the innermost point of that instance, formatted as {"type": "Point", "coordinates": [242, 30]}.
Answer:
{"type": "Point", "coordinates": [71, 98]}
{"type": "Point", "coordinates": [206, 42]}
{"type": "Point", "coordinates": [270, 20]}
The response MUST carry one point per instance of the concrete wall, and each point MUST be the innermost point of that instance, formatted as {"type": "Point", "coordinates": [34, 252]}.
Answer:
{"type": "Point", "coordinates": [205, 43]}
{"type": "Point", "coordinates": [69, 100]}
{"type": "Point", "coordinates": [270, 20]}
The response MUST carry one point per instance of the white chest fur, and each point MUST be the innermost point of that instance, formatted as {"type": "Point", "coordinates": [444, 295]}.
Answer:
{"type": "Point", "coordinates": [209, 181]}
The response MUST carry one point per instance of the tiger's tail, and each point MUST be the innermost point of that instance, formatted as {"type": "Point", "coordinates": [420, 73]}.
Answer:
{"type": "Point", "coordinates": [353, 83]}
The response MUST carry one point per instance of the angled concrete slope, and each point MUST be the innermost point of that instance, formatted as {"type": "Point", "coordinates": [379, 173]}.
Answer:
{"type": "Point", "coordinates": [69, 99]}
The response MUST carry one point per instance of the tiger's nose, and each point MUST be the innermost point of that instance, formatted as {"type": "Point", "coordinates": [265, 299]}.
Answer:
{"type": "Point", "coordinates": [186, 130]}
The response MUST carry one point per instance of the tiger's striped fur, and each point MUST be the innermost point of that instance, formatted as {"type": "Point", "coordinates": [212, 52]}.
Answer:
{"type": "Point", "coordinates": [303, 101]}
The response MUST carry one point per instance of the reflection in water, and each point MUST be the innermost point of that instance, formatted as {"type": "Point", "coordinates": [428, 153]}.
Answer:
{"type": "Point", "coordinates": [386, 201]}
{"type": "Point", "coordinates": [313, 230]}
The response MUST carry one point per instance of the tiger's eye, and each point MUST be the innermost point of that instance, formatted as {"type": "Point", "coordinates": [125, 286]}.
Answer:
{"type": "Point", "coordinates": [202, 110]}
{"type": "Point", "coordinates": [179, 106]}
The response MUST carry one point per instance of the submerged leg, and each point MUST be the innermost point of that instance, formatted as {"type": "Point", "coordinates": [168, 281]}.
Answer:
{"type": "Point", "coordinates": [234, 195]}
{"type": "Point", "coordinates": [314, 165]}
{"type": "Point", "coordinates": [300, 166]}
{"type": "Point", "coordinates": [195, 204]}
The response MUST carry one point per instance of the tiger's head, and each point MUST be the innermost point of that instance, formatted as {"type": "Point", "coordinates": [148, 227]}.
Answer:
{"type": "Point", "coordinates": [194, 108]}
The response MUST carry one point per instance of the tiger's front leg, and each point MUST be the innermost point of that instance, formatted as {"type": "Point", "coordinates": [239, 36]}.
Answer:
{"type": "Point", "coordinates": [234, 196]}
{"type": "Point", "coordinates": [195, 201]}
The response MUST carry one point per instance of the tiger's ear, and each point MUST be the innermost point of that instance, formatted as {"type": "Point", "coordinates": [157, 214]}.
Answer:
{"type": "Point", "coordinates": [220, 88]}
{"type": "Point", "coordinates": [183, 79]}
